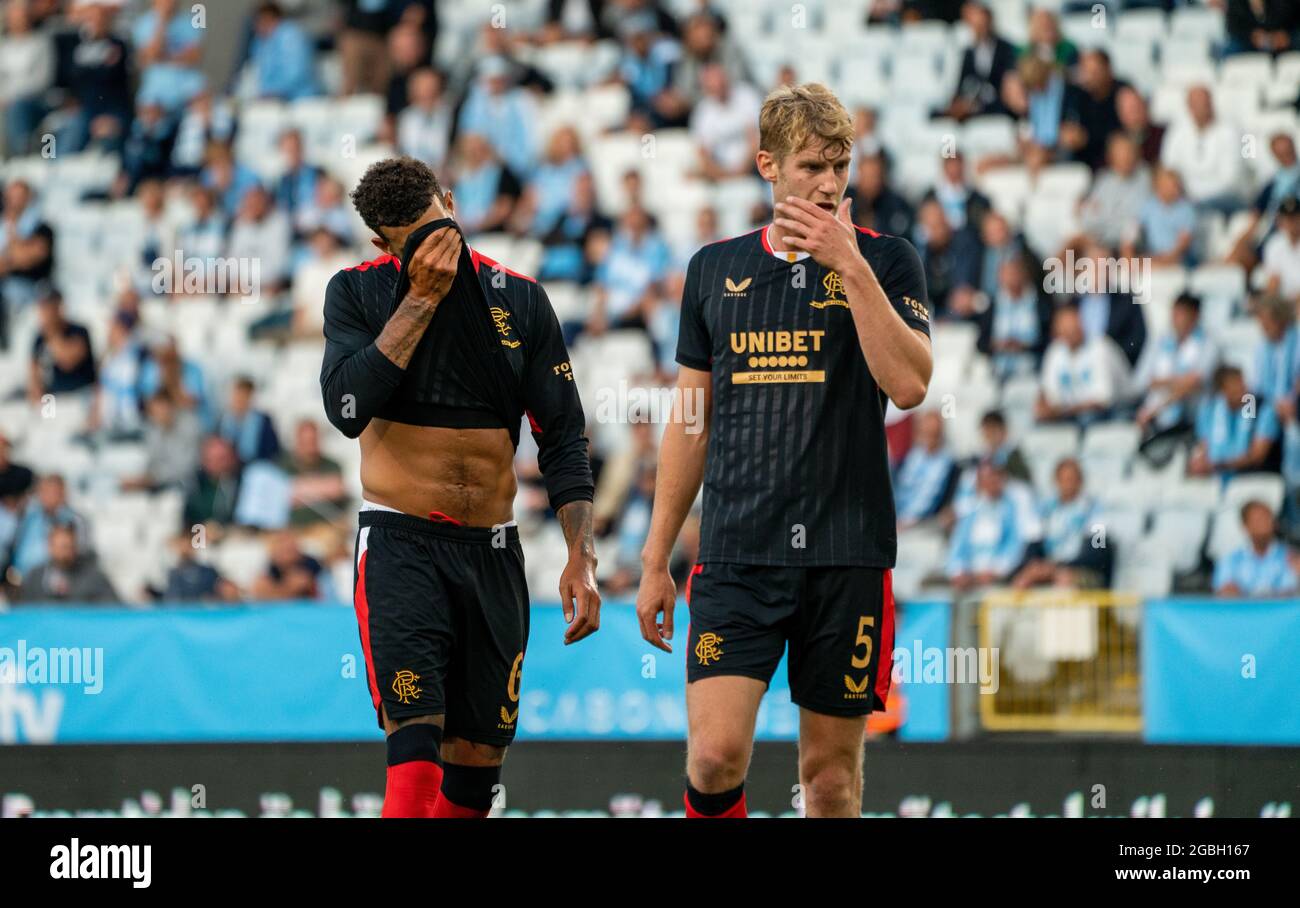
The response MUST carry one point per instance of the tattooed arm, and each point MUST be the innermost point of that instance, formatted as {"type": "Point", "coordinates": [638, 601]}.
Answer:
{"type": "Point", "coordinates": [432, 271]}
{"type": "Point", "coordinates": [578, 592]}
{"type": "Point", "coordinates": [359, 371]}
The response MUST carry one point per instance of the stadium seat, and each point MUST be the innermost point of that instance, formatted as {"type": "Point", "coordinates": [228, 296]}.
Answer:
{"type": "Point", "coordinates": [847, 17]}
{"type": "Point", "coordinates": [734, 199]}
{"type": "Point", "coordinates": [988, 135]}
{"type": "Point", "coordinates": [1017, 404]}
{"type": "Point", "coordinates": [1166, 282]}
{"type": "Point", "coordinates": [1049, 443]}
{"type": "Point", "coordinates": [122, 460]}
{"type": "Point", "coordinates": [31, 169]}
{"type": "Point", "coordinates": [1218, 281]}
{"type": "Point", "coordinates": [1187, 51]}
{"type": "Point", "coordinates": [863, 80]}
{"type": "Point", "coordinates": [260, 125]}
{"type": "Point", "coordinates": [1237, 341]}
{"type": "Point", "coordinates": [567, 63]}
{"type": "Point", "coordinates": [1067, 181]}
{"type": "Point", "coordinates": [1193, 493]}
{"type": "Point", "coordinates": [1226, 533]}
{"type": "Point", "coordinates": [1179, 534]}
{"type": "Point", "coordinates": [1177, 74]}
{"type": "Point", "coordinates": [1080, 29]}
{"type": "Point", "coordinates": [956, 340]}
{"type": "Point", "coordinates": [921, 551]}
{"type": "Point", "coordinates": [1146, 577]}
{"type": "Point", "coordinates": [240, 559]}
{"type": "Point", "coordinates": [1141, 24]}
{"type": "Point", "coordinates": [1266, 487]}
{"type": "Point", "coordinates": [1116, 438]}
{"type": "Point", "coordinates": [1168, 103]}
{"type": "Point", "coordinates": [1010, 19]}
{"type": "Point", "coordinates": [1008, 188]}
{"type": "Point", "coordinates": [1049, 222]}
{"type": "Point", "coordinates": [1238, 101]}
{"type": "Point", "coordinates": [604, 107]}
{"type": "Point", "coordinates": [1198, 21]}
{"type": "Point", "coordinates": [1286, 68]}
{"type": "Point", "coordinates": [1246, 69]}
{"type": "Point", "coordinates": [569, 300]}
{"type": "Point", "coordinates": [1122, 526]}
{"type": "Point", "coordinates": [1133, 63]}
{"type": "Point", "coordinates": [611, 156]}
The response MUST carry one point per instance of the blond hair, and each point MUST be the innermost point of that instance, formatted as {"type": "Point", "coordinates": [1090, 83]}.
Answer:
{"type": "Point", "coordinates": [794, 115]}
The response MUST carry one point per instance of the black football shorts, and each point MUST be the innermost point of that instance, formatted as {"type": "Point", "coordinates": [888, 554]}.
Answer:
{"type": "Point", "coordinates": [443, 614]}
{"type": "Point", "coordinates": [838, 622]}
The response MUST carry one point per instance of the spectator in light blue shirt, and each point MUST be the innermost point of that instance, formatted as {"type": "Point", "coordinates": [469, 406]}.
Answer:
{"type": "Point", "coordinates": [1261, 567]}
{"type": "Point", "coordinates": [1068, 554]}
{"type": "Point", "coordinates": [1175, 371]}
{"type": "Point", "coordinates": [486, 190]}
{"type": "Point", "coordinates": [1066, 514]}
{"type": "Point", "coordinates": [1014, 328]}
{"type": "Point", "coordinates": [1045, 100]}
{"type": "Point", "coordinates": [47, 509]}
{"type": "Point", "coordinates": [626, 279]}
{"type": "Point", "coordinates": [1168, 222]}
{"type": "Point", "coordinates": [250, 430]}
{"type": "Point", "coordinates": [1276, 366]}
{"type": "Point", "coordinates": [646, 66]}
{"type": "Point", "coordinates": [1236, 432]}
{"type": "Point", "coordinates": [927, 473]}
{"type": "Point", "coordinates": [282, 56]}
{"type": "Point", "coordinates": [986, 545]}
{"type": "Point", "coordinates": [549, 191]}
{"type": "Point", "coordinates": [228, 178]}
{"type": "Point", "coordinates": [504, 114]}
{"type": "Point", "coordinates": [183, 379]}
{"type": "Point", "coordinates": [168, 47]}
{"type": "Point", "coordinates": [295, 189]}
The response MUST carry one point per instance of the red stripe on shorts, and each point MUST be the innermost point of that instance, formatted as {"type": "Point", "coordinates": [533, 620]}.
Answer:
{"type": "Point", "coordinates": [884, 668]}
{"type": "Point", "coordinates": [363, 620]}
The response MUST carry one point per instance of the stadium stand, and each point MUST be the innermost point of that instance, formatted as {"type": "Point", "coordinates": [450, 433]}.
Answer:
{"type": "Point", "coordinates": [169, 221]}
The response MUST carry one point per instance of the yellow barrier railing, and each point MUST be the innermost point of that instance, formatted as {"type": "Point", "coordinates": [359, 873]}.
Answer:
{"type": "Point", "coordinates": [1067, 661]}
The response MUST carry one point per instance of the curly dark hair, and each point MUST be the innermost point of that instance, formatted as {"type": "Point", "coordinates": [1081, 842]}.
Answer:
{"type": "Point", "coordinates": [395, 192]}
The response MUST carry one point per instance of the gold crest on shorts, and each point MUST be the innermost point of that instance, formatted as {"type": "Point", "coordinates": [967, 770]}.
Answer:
{"type": "Point", "coordinates": [404, 686]}
{"type": "Point", "coordinates": [707, 648]}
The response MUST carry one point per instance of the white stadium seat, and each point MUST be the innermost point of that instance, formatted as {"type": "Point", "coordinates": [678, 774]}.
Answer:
{"type": "Point", "coordinates": [1266, 487]}
{"type": "Point", "coordinates": [1181, 536]}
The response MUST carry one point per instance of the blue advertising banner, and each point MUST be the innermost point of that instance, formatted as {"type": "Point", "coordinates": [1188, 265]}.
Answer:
{"type": "Point", "coordinates": [1218, 671]}
{"type": "Point", "coordinates": [255, 673]}
{"type": "Point", "coordinates": [294, 672]}
{"type": "Point", "coordinates": [924, 633]}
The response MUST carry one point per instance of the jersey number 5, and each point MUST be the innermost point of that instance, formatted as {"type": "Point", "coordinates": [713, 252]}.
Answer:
{"type": "Point", "coordinates": [864, 639]}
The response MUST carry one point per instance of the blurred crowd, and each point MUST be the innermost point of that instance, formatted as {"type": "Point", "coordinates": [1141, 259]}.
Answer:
{"type": "Point", "coordinates": [129, 81]}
